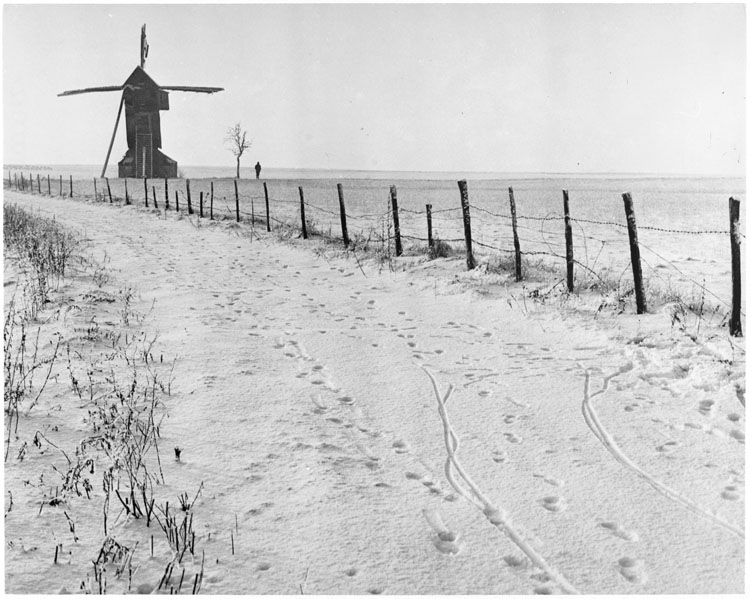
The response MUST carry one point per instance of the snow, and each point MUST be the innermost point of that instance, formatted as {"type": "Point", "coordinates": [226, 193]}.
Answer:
{"type": "Point", "coordinates": [578, 451]}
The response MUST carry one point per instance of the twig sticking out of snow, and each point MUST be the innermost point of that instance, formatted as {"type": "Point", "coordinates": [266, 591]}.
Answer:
{"type": "Point", "coordinates": [601, 433]}
{"type": "Point", "coordinates": [475, 496]}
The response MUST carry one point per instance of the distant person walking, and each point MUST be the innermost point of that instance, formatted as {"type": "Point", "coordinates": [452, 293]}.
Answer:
{"type": "Point", "coordinates": [257, 170]}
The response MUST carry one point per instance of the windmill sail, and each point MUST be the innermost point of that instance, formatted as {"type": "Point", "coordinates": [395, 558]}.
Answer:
{"type": "Point", "coordinates": [189, 88]}
{"type": "Point", "coordinates": [107, 88]}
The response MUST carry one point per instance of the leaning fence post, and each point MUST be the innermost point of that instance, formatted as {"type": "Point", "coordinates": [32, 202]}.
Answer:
{"type": "Point", "coordinates": [735, 322]}
{"type": "Point", "coordinates": [189, 200]}
{"type": "Point", "coordinates": [470, 262]}
{"type": "Point", "coordinates": [153, 191]}
{"type": "Point", "coordinates": [516, 242]}
{"type": "Point", "coordinates": [237, 202]}
{"type": "Point", "coordinates": [212, 200]}
{"type": "Point", "coordinates": [396, 227]}
{"type": "Point", "coordinates": [268, 213]}
{"type": "Point", "coordinates": [201, 205]}
{"type": "Point", "coordinates": [568, 240]}
{"type": "Point", "coordinates": [71, 186]}
{"type": "Point", "coordinates": [428, 209]}
{"type": "Point", "coordinates": [145, 189]}
{"type": "Point", "coordinates": [49, 187]}
{"type": "Point", "coordinates": [109, 191]}
{"type": "Point", "coordinates": [635, 254]}
{"type": "Point", "coordinates": [127, 198]}
{"type": "Point", "coordinates": [342, 210]}
{"type": "Point", "coordinates": [302, 212]}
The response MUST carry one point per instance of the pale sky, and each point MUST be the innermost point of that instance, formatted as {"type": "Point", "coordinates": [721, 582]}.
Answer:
{"type": "Point", "coordinates": [459, 87]}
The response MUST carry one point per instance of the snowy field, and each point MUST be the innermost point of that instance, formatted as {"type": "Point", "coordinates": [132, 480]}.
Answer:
{"type": "Point", "coordinates": [363, 429]}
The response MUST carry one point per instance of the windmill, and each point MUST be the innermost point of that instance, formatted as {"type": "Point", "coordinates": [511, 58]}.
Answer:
{"type": "Point", "coordinates": [143, 98]}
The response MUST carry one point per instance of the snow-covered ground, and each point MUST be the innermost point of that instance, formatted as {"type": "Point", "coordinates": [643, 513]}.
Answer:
{"type": "Point", "coordinates": [579, 451]}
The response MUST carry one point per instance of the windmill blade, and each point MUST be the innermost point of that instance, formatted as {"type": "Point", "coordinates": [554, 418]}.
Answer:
{"type": "Point", "coordinates": [188, 88]}
{"type": "Point", "coordinates": [111, 143]}
{"type": "Point", "coordinates": [108, 88]}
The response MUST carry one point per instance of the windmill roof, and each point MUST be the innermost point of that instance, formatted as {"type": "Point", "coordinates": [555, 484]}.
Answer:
{"type": "Point", "coordinates": [141, 78]}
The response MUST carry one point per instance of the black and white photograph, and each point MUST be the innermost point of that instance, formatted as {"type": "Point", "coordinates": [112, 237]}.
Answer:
{"type": "Point", "coordinates": [374, 298]}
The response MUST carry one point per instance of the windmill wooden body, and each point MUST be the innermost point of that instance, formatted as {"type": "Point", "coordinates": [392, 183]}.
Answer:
{"type": "Point", "coordinates": [143, 99]}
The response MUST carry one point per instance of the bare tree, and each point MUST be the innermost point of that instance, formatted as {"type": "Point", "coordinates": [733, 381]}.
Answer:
{"type": "Point", "coordinates": [237, 141]}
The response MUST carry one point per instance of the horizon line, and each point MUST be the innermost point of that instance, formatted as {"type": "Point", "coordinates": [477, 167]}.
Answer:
{"type": "Point", "coordinates": [445, 171]}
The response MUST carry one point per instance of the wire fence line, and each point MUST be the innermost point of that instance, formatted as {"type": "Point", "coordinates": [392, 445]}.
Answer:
{"type": "Point", "coordinates": [492, 231]}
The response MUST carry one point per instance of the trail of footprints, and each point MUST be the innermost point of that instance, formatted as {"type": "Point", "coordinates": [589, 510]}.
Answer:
{"type": "Point", "coordinates": [445, 540]}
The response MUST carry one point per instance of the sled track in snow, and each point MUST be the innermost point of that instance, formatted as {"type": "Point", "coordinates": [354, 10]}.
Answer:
{"type": "Point", "coordinates": [602, 434]}
{"type": "Point", "coordinates": [498, 517]}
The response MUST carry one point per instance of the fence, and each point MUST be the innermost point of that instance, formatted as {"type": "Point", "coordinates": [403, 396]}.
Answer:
{"type": "Point", "coordinates": [560, 238]}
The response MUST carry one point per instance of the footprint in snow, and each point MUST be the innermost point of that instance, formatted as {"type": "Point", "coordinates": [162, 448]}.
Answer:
{"type": "Point", "coordinates": [730, 493]}
{"type": "Point", "coordinates": [512, 437]}
{"type": "Point", "coordinates": [499, 456]}
{"type": "Point", "coordinates": [619, 531]}
{"type": "Point", "coordinates": [666, 447]}
{"type": "Point", "coordinates": [554, 504]}
{"type": "Point", "coordinates": [705, 407]}
{"type": "Point", "coordinates": [401, 446]}
{"type": "Point", "coordinates": [632, 570]}
{"type": "Point", "coordinates": [555, 482]}
{"type": "Point", "coordinates": [446, 540]}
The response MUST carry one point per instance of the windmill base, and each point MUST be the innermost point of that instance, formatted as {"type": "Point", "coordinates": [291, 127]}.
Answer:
{"type": "Point", "coordinates": [161, 166]}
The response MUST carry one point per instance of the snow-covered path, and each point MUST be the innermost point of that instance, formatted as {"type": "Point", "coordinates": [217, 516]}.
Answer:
{"type": "Point", "coordinates": [301, 403]}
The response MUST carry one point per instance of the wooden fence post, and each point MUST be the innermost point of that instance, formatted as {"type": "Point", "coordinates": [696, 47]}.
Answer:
{"type": "Point", "coordinates": [735, 321]}
{"type": "Point", "coordinates": [39, 184]}
{"type": "Point", "coordinates": [201, 205]}
{"type": "Point", "coordinates": [302, 212]}
{"type": "Point", "coordinates": [189, 199]}
{"type": "Point", "coordinates": [176, 201]}
{"type": "Point", "coordinates": [252, 211]}
{"type": "Point", "coordinates": [396, 226]}
{"type": "Point", "coordinates": [237, 202]}
{"type": "Point", "coordinates": [145, 188]}
{"type": "Point", "coordinates": [568, 240]}
{"type": "Point", "coordinates": [109, 191]}
{"type": "Point", "coordinates": [71, 186]}
{"type": "Point", "coordinates": [166, 193]}
{"type": "Point", "coordinates": [153, 191]}
{"type": "Point", "coordinates": [470, 262]}
{"type": "Point", "coordinates": [635, 254]}
{"type": "Point", "coordinates": [127, 197]}
{"type": "Point", "coordinates": [212, 200]}
{"type": "Point", "coordinates": [268, 211]}
{"type": "Point", "coordinates": [96, 193]}
{"type": "Point", "coordinates": [428, 210]}
{"type": "Point", "coordinates": [61, 191]}
{"type": "Point", "coordinates": [49, 187]}
{"type": "Point", "coordinates": [516, 242]}
{"type": "Point", "coordinates": [342, 210]}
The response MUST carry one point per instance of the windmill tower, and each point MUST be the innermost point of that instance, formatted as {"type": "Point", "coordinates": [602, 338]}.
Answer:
{"type": "Point", "coordinates": [142, 99]}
